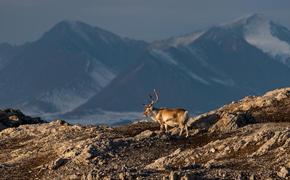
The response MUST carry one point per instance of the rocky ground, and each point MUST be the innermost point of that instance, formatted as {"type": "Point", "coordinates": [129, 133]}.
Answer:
{"type": "Point", "coordinates": [248, 139]}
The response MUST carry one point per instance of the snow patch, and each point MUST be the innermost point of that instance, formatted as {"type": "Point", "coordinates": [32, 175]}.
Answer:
{"type": "Point", "coordinates": [66, 99]}
{"type": "Point", "coordinates": [258, 33]}
{"type": "Point", "coordinates": [179, 41]}
{"type": "Point", "coordinates": [198, 78]}
{"type": "Point", "coordinates": [224, 82]}
{"type": "Point", "coordinates": [164, 56]}
{"type": "Point", "coordinates": [100, 73]}
{"type": "Point", "coordinates": [80, 29]}
{"type": "Point", "coordinates": [186, 39]}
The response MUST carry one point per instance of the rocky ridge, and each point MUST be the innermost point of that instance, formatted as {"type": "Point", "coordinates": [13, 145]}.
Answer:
{"type": "Point", "coordinates": [248, 139]}
{"type": "Point", "coordinates": [274, 106]}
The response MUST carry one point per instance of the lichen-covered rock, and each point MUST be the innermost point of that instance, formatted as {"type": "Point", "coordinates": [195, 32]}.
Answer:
{"type": "Point", "coordinates": [247, 145]}
{"type": "Point", "coordinates": [274, 106]}
{"type": "Point", "coordinates": [248, 139]}
{"type": "Point", "coordinates": [230, 121]}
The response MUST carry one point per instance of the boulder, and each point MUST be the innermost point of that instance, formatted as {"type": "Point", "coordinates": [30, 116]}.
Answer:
{"type": "Point", "coordinates": [15, 118]}
{"type": "Point", "coordinates": [230, 121]}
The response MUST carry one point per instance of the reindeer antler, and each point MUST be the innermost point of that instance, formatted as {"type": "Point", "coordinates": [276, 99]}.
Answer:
{"type": "Point", "coordinates": [156, 96]}
{"type": "Point", "coordinates": [153, 100]}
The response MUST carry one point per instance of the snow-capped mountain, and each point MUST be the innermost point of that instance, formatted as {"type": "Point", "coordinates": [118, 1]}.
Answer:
{"type": "Point", "coordinates": [64, 68]}
{"type": "Point", "coordinates": [266, 35]}
{"type": "Point", "coordinates": [199, 72]}
{"type": "Point", "coordinates": [89, 73]}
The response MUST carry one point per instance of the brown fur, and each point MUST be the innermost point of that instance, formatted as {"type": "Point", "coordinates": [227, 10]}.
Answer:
{"type": "Point", "coordinates": [168, 117]}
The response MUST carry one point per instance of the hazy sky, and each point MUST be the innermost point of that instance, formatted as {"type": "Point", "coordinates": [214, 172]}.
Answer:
{"type": "Point", "coordinates": [27, 20]}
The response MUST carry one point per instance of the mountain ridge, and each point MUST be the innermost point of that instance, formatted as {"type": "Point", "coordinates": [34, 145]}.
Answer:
{"type": "Point", "coordinates": [78, 70]}
{"type": "Point", "coordinates": [220, 59]}
{"type": "Point", "coordinates": [66, 66]}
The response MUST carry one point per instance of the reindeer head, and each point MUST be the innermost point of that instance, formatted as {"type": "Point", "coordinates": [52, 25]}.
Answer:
{"type": "Point", "coordinates": [148, 111]}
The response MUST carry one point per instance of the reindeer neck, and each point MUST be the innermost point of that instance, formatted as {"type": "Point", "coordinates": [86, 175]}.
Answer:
{"type": "Point", "coordinates": [155, 111]}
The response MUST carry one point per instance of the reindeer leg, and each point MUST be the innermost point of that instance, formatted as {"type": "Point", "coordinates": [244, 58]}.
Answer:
{"type": "Point", "coordinates": [166, 128]}
{"type": "Point", "coordinates": [186, 129]}
{"type": "Point", "coordinates": [181, 130]}
{"type": "Point", "coordinates": [161, 127]}
{"type": "Point", "coordinates": [172, 129]}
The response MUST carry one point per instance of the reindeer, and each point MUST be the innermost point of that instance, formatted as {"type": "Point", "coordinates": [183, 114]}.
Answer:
{"type": "Point", "coordinates": [167, 116]}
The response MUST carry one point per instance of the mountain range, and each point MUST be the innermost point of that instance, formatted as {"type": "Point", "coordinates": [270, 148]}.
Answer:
{"type": "Point", "coordinates": [81, 72]}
